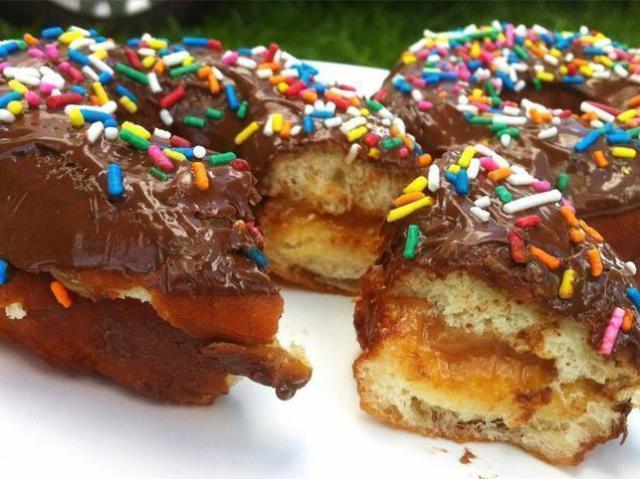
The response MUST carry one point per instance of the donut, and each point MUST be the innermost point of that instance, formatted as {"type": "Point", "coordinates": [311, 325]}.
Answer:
{"type": "Point", "coordinates": [562, 104]}
{"type": "Point", "coordinates": [127, 249]}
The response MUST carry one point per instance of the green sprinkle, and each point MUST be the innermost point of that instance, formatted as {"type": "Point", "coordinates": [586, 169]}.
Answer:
{"type": "Point", "coordinates": [512, 132]}
{"type": "Point", "coordinates": [391, 143]}
{"type": "Point", "coordinates": [411, 245]}
{"type": "Point", "coordinates": [504, 194]}
{"type": "Point", "coordinates": [219, 159]}
{"type": "Point", "coordinates": [537, 83]}
{"type": "Point", "coordinates": [242, 110]}
{"type": "Point", "coordinates": [159, 174]}
{"type": "Point", "coordinates": [374, 105]}
{"type": "Point", "coordinates": [496, 101]}
{"type": "Point", "coordinates": [22, 45]}
{"type": "Point", "coordinates": [563, 181]}
{"type": "Point", "coordinates": [194, 121]}
{"type": "Point", "coordinates": [214, 114]}
{"type": "Point", "coordinates": [134, 140]}
{"type": "Point", "coordinates": [634, 132]}
{"type": "Point", "coordinates": [480, 120]}
{"type": "Point", "coordinates": [132, 73]}
{"type": "Point", "coordinates": [178, 72]}
{"type": "Point", "coordinates": [496, 127]}
{"type": "Point", "coordinates": [490, 88]}
{"type": "Point", "coordinates": [521, 52]}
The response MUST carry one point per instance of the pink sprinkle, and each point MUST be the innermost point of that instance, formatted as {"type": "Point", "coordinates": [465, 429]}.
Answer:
{"type": "Point", "coordinates": [568, 204]}
{"type": "Point", "coordinates": [159, 158]}
{"type": "Point", "coordinates": [419, 82]}
{"type": "Point", "coordinates": [4, 65]}
{"type": "Point", "coordinates": [47, 88]}
{"type": "Point", "coordinates": [463, 72]}
{"type": "Point", "coordinates": [488, 164]}
{"type": "Point", "coordinates": [32, 99]}
{"type": "Point", "coordinates": [403, 152]}
{"type": "Point", "coordinates": [611, 333]}
{"type": "Point", "coordinates": [510, 35]}
{"type": "Point", "coordinates": [486, 57]}
{"type": "Point", "coordinates": [541, 185]}
{"type": "Point", "coordinates": [456, 89]}
{"type": "Point", "coordinates": [424, 105]}
{"type": "Point", "coordinates": [64, 67]}
{"type": "Point", "coordinates": [35, 53]}
{"type": "Point", "coordinates": [230, 58]}
{"type": "Point", "coordinates": [422, 54]}
{"type": "Point", "coordinates": [481, 106]}
{"type": "Point", "coordinates": [52, 51]}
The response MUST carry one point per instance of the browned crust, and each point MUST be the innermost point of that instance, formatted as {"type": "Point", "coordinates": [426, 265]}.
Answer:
{"type": "Point", "coordinates": [306, 279]}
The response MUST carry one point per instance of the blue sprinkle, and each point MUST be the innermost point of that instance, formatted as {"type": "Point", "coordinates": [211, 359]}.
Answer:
{"type": "Point", "coordinates": [78, 89]}
{"type": "Point", "coordinates": [319, 87]}
{"type": "Point", "coordinates": [474, 64]}
{"type": "Point", "coordinates": [91, 116]}
{"type": "Point", "coordinates": [163, 52]}
{"type": "Point", "coordinates": [634, 295]}
{"type": "Point", "coordinates": [255, 255]}
{"type": "Point", "coordinates": [178, 48]}
{"type": "Point", "coordinates": [8, 48]}
{"type": "Point", "coordinates": [51, 33]}
{"type": "Point", "coordinates": [187, 152]}
{"type": "Point", "coordinates": [322, 114]}
{"type": "Point", "coordinates": [93, 32]}
{"type": "Point", "coordinates": [593, 51]}
{"type": "Point", "coordinates": [245, 52]}
{"type": "Point", "coordinates": [232, 97]}
{"type": "Point", "coordinates": [110, 122]}
{"type": "Point", "coordinates": [105, 77]}
{"type": "Point", "coordinates": [431, 78]}
{"type": "Point", "coordinates": [195, 41]}
{"type": "Point", "coordinates": [449, 76]}
{"type": "Point", "coordinates": [587, 141]}
{"type": "Point", "coordinates": [78, 57]}
{"type": "Point", "coordinates": [122, 90]}
{"type": "Point", "coordinates": [402, 85]}
{"type": "Point", "coordinates": [4, 272]}
{"type": "Point", "coordinates": [547, 39]}
{"type": "Point", "coordinates": [572, 79]}
{"type": "Point", "coordinates": [462, 183]}
{"type": "Point", "coordinates": [114, 181]}
{"type": "Point", "coordinates": [450, 177]}
{"type": "Point", "coordinates": [619, 138]}
{"type": "Point", "coordinates": [133, 42]}
{"type": "Point", "coordinates": [308, 124]}
{"type": "Point", "coordinates": [9, 97]}
{"type": "Point", "coordinates": [506, 80]}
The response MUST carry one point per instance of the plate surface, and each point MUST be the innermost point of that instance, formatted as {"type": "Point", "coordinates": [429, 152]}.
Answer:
{"type": "Point", "coordinates": [58, 425]}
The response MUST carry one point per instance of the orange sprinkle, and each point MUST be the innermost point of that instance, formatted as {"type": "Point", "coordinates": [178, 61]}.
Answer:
{"type": "Point", "coordinates": [203, 73]}
{"type": "Point", "coordinates": [408, 198]}
{"type": "Point", "coordinates": [500, 174]}
{"type": "Point", "coordinates": [593, 255]}
{"type": "Point", "coordinates": [569, 216]}
{"type": "Point", "coordinates": [95, 100]}
{"type": "Point", "coordinates": [589, 116]}
{"type": "Point", "coordinates": [577, 235]}
{"type": "Point", "coordinates": [309, 96]}
{"type": "Point", "coordinates": [627, 322]}
{"type": "Point", "coordinates": [200, 176]}
{"type": "Point", "coordinates": [159, 67]}
{"type": "Point", "coordinates": [214, 85]}
{"type": "Point", "coordinates": [537, 51]}
{"type": "Point", "coordinates": [286, 130]}
{"type": "Point", "coordinates": [61, 294]}
{"type": "Point", "coordinates": [275, 79]}
{"type": "Point", "coordinates": [408, 142]}
{"type": "Point", "coordinates": [30, 39]}
{"type": "Point", "coordinates": [545, 258]}
{"type": "Point", "coordinates": [634, 101]}
{"type": "Point", "coordinates": [600, 159]}
{"type": "Point", "coordinates": [424, 160]}
{"type": "Point", "coordinates": [535, 115]}
{"type": "Point", "coordinates": [597, 237]}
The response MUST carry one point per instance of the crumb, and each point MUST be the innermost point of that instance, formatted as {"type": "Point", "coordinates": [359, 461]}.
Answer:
{"type": "Point", "coordinates": [437, 449]}
{"type": "Point", "coordinates": [467, 457]}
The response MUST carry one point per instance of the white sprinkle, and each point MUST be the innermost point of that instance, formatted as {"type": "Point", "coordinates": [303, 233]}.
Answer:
{"type": "Point", "coordinates": [621, 71]}
{"type": "Point", "coordinates": [520, 179]}
{"type": "Point", "coordinates": [258, 50]}
{"type": "Point", "coordinates": [473, 169]}
{"type": "Point", "coordinates": [631, 267]}
{"type": "Point", "coordinates": [94, 131]}
{"type": "Point", "coordinates": [100, 65]}
{"type": "Point", "coordinates": [505, 139]}
{"type": "Point", "coordinates": [247, 63]}
{"type": "Point", "coordinates": [600, 113]}
{"type": "Point", "coordinates": [28, 79]}
{"type": "Point", "coordinates": [110, 107]}
{"type": "Point", "coordinates": [548, 133]}
{"type": "Point", "coordinates": [106, 45]}
{"type": "Point", "coordinates": [486, 151]}
{"type": "Point", "coordinates": [263, 73]}
{"type": "Point", "coordinates": [267, 130]}
{"type": "Point", "coordinates": [175, 58]}
{"type": "Point", "coordinates": [218, 74]}
{"type": "Point", "coordinates": [509, 120]}
{"type": "Point", "coordinates": [90, 72]}
{"type": "Point", "coordinates": [162, 134]}
{"type": "Point", "coordinates": [295, 130]}
{"type": "Point", "coordinates": [6, 116]}
{"type": "Point", "coordinates": [199, 151]}
{"type": "Point", "coordinates": [353, 153]}
{"type": "Point", "coordinates": [55, 92]}
{"type": "Point", "coordinates": [166, 117]}
{"type": "Point", "coordinates": [433, 178]}
{"type": "Point", "coordinates": [511, 110]}
{"type": "Point", "coordinates": [146, 52]}
{"type": "Point", "coordinates": [154, 84]}
{"type": "Point", "coordinates": [596, 124]}
{"type": "Point", "coordinates": [467, 109]}
{"type": "Point", "coordinates": [333, 122]}
{"type": "Point", "coordinates": [290, 73]}
{"type": "Point", "coordinates": [416, 95]}
{"type": "Point", "coordinates": [398, 125]}
{"type": "Point", "coordinates": [520, 84]}
{"type": "Point", "coordinates": [353, 111]}
{"type": "Point", "coordinates": [79, 43]}
{"type": "Point", "coordinates": [349, 125]}
{"type": "Point", "coordinates": [111, 133]}
{"type": "Point", "coordinates": [480, 214]}
{"type": "Point", "coordinates": [385, 113]}
{"type": "Point", "coordinates": [483, 202]}
{"type": "Point", "coordinates": [550, 59]}
{"type": "Point", "coordinates": [532, 201]}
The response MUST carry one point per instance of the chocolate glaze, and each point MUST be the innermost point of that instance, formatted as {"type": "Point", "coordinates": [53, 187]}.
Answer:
{"type": "Point", "coordinates": [454, 240]}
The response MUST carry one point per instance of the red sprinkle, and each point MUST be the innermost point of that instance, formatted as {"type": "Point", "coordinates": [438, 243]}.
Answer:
{"type": "Point", "coordinates": [295, 88]}
{"type": "Point", "coordinates": [134, 61]}
{"type": "Point", "coordinates": [58, 101]}
{"type": "Point", "coordinates": [528, 221]}
{"type": "Point", "coordinates": [371, 140]}
{"type": "Point", "coordinates": [271, 52]}
{"type": "Point", "coordinates": [179, 142]}
{"type": "Point", "coordinates": [253, 229]}
{"type": "Point", "coordinates": [172, 98]}
{"type": "Point", "coordinates": [240, 165]}
{"type": "Point", "coordinates": [380, 94]}
{"type": "Point", "coordinates": [215, 45]}
{"type": "Point", "coordinates": [516, 243]}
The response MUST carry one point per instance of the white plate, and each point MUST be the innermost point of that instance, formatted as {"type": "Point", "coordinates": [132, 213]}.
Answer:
{"type": "Point", "coordinates": [56, 425]}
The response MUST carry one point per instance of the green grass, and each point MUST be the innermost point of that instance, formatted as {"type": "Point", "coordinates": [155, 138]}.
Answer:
{"type": "Point", "coordinates": [370, 33]}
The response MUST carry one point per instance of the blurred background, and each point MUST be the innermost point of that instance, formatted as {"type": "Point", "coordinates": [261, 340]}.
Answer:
{"type": "Point", "coordinates": [369, 33]}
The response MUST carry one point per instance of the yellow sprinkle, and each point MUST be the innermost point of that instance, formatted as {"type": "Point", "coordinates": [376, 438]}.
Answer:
{"type": "Point", "coordinates": [156, 44]}
{"type": "Point", "coordinates": [127, 104]}
{"type": "Point", "coordinates": [201, 179]}
{"type": "Point", "coordinates": [545, 76]}
{"type": "Point", "coordinates": [627, 115]}
{"type": "Point", "coordinates": [278, 121]}
{"type": "Point", "coordinates": [455, 169]}
{"type": "Point", "coordinates": [75, 117]}
{"type": "Point", "coordinates": [68, 37]}
{"type": "Point", "coordinates": [586, 69]}
{"type": "Point", "coordinates": [15, 107]}
{"type": "Point", "coordinates": [563, 70]}
{"type": "Point", "coordinates": [466, 156]}
{"type": "Point", "coordinates": [555, 52]}
{"type": "Point", "coordinates": [282, 87]}
{"type": "Point", "coordinates": [148, 62]}
{"type": "Point", "coordinates": [174, 155]}
{"type": "Point", "coordinates": [399, 213]}
{"type": "Point", "coordinates": [626, 170]}
{"type": "Point", "coordinates": [475, 50]}
{"type": "Point", "coordinates": [364, 112]}
{"type": "Point", "coordinates": [357, 133]}
{"type": "Point", "coordinates": [566, 286]}
{"type": "Point", "coordinates": [375, 153]}
{"type": "Point", "coordinates": [247, 132]}
{"type": "Point", "coordinates": [623, 152]}
{"type": "Point", "coordinates": [15, 85]}
{"type": "Point", "coordinates": [101, 54]}
{"type": "Point", "coordinates": [136, 129]}
{"type": "Point", "coordinates": [408, 58]}
{"type": "Point", "coordinates": [417, 185]}
{"type": "Point", "coordinates": [100, 92]}
{"type": "Point", "coordinates": [605, 61]}
{"type": "Point", "coordinates": [188, 61]}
